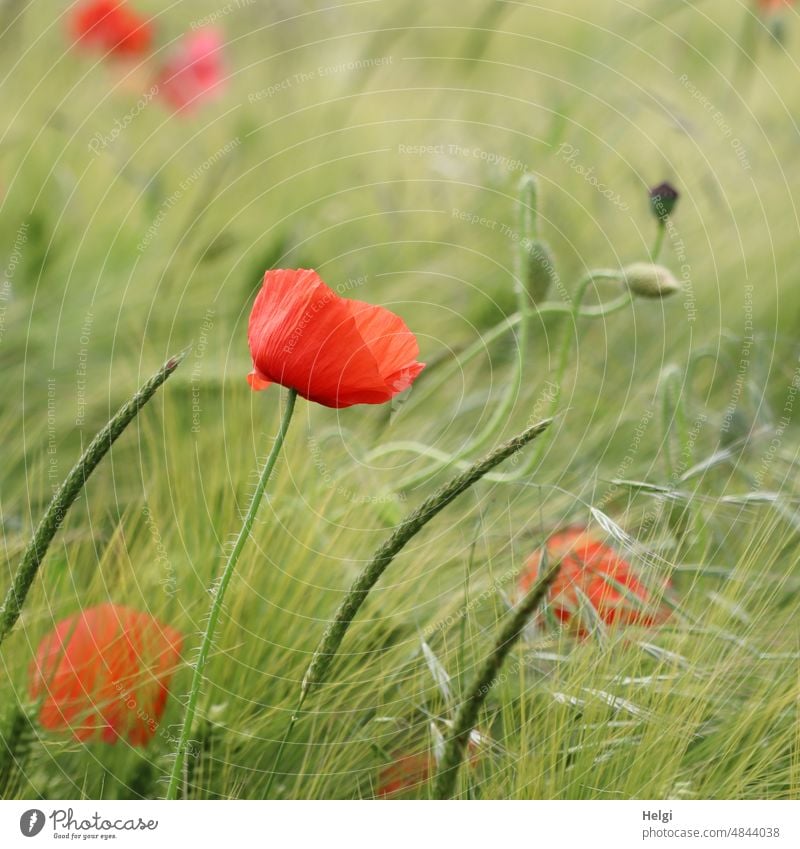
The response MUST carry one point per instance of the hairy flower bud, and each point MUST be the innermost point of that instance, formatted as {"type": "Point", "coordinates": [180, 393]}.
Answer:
{"type": "Point", "coordinates": [645, 280]}
{"type": "Point", "coordinates": [662, 200]}
{"type": "Point", "coordinates": [540, 271]}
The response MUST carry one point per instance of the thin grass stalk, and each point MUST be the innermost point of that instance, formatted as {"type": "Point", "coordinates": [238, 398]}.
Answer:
{"type": "Point", "coordinates": [67, 493]}
{"type": "Point", "coordinates": [527, 201]}
{"type": "Point", "coordinates": [328, 646]}
{"type": "Point", "coordinates": [467, 715]}
{"type": "Point", "coordinates": [219, 594]}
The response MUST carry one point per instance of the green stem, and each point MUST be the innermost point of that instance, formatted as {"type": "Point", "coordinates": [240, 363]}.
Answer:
{"type": "Point", "coordinates": [66, 494]}
{"type": "Point", "coordinates": [467, 714]}
{"type": "Point", "coordinates": [334, 634]}
{"type": "Point", "coordinates": [218, 596]}
{"type": "Point", "coordinates": [659, 241]}
{"type": "Point", "coordinates": [565, 349]}
{"type": "Point", "coordinates": [446, 372]}
{"type": "Point", "coordinates": [287, 734]}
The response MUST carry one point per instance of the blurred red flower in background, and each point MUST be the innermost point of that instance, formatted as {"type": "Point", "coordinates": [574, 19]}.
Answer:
{"type": "Point", "coordinates": [332, 350]}
{"type": "Point", "coordinates": [770, 6]}
{"type": "Point", "coordinates": [194, 73]}
{"type": "Point", "coordinates": [104, 673]}
{"type": "Point", "coordinates": [110, 26]}
{"type": "Point", "coordinates": [607, 582]}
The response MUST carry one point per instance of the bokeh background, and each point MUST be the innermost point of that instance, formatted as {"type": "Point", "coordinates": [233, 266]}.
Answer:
{"type": "Point", "coordinates": [382, 144]}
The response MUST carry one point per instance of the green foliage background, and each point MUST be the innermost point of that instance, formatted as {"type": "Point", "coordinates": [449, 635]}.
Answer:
{"type": "Point", "coordinates": [318, 174]}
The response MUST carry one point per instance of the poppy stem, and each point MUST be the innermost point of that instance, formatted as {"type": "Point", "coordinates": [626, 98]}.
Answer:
{"type": "Point", "coordinates": [67, 493]}
{"type": "Point", "coordinates": [218, 596]}
{"type": "Point", "coordinates": [485, 680]}
{"type": "Point", "coordinates": [659, 241]}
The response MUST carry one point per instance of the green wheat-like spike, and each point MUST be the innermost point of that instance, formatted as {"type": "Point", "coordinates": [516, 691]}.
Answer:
{"type": "Point", "coordinates": [467, 714]}
{"type": "Point", "coordinates": [68, 492]}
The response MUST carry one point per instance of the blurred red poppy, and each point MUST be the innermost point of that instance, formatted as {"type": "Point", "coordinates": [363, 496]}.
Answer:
{"type": "Point", "coordinates": [771, 6]}
{"type": "Point", "coordinates": [110, 26]}
{"type": "Point", "coordinates": [104, 673]}
{"type": "Point", "coordinates": [194, 73]}
{"type": "Point", "coordinates": [404, 774]}
{"type": "Point", "coordinates": [332, 350]}
{"type": "Point", "coordinates": [594, 570]}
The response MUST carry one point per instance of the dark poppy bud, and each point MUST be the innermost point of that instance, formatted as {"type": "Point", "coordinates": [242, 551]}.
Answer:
{"type": "Point", "coordinates": [662, 200]}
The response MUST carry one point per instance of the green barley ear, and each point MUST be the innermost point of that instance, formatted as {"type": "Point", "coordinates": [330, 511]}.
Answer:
{"type": "Point", "coordinates": [537, 266]}
{"type": "Point", "coordinates": [485, 680]}
{"type": "Point", "coordinates": [328, 647]}
{"type": "Point", "coordinates": [68, 491]}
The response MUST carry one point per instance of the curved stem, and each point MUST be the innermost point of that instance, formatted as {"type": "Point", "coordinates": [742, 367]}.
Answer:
{"type": "Point", "coordinates": [219, 594]}
{"type": "Point", "coordinates": [565, 348]}
{"type": "Point", "coordinates": [287, 734]}
{"type": "Point", "coordinates": [413, 523]}
{"type": "Point", "coordinates": [68, 492]}
{"type": "Point", "coordinates": [485, 680]}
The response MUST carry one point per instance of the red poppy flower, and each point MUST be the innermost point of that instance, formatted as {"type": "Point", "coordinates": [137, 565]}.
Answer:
{"type": "Point", "coordinates": [195, 71]}
{"type": "Point", "coordinates": [332, 350]}
{"type": "Point", "coordinates": [404, 774]}
{"type": "Point", "coordinates": [105, 673]}
{"type": "Point", "coordinates": [597, 572]}
{"type": "Point", "coordinates": [110, 26]}
{"type": "Point", "coordinates": [769, 7]}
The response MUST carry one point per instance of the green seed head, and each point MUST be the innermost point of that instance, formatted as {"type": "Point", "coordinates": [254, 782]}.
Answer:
{"type": "Point", "coordinates": [645, 280]}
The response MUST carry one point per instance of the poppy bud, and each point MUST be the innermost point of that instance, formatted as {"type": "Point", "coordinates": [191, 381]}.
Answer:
{"type": "Point", "coordinates": [540, 270]}
{"type": "Point", "coordinates": [662, 200]}
{"type": "Point", "coordinates": [646, 280]}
